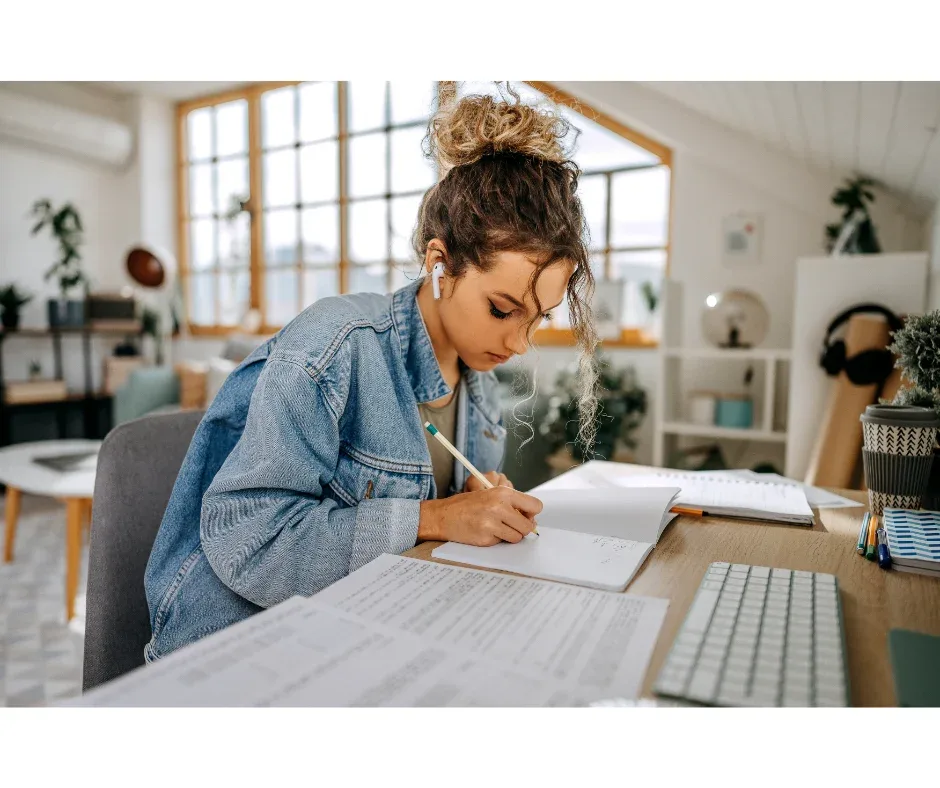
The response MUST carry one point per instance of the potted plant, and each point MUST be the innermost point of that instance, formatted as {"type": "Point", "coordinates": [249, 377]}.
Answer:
{"type": "Point", "coordinates": [853, 199]}
{"type": "Point", "coordinates": [11, 301]}
{"type": "Point", "coordinates": [35, 369]}
{"type": "Point", "coordinates": [65, 225]}
{"type": "Point", "coordinates": [621, 408]}
{"type": "Point", "coordinates": [917, 346]}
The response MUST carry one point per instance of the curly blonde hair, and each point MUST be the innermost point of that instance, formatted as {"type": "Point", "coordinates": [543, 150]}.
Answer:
{"type": "Point", "coordinates": [509, 184]}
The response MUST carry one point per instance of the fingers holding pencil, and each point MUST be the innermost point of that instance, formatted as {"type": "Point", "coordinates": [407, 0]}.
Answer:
{"type": "Point", "coordinates": [527, 504]}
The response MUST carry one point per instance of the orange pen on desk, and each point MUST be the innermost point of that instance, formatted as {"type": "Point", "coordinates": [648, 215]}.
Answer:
{"type": "Point", "coordinates": [687, 511]}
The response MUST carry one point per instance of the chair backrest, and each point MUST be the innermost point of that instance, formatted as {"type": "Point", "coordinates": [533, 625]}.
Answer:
{"type": "Point", "coordinates": [137, 467]}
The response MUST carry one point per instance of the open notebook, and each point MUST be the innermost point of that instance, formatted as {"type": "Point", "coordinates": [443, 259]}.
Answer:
{"type": "Point", "coordinates": [590, 536]}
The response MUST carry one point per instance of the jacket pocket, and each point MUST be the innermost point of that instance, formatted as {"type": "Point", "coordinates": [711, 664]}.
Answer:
{"type": "Point", "coordinates": [359, 478]}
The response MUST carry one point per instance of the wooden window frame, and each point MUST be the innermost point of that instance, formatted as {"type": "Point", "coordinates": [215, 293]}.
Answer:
{"type": "Point", "coordinates": [252, 94]}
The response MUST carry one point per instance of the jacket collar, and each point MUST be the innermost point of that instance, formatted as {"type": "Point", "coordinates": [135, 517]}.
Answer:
{"type": "Point", "coordinates": [417, 354]}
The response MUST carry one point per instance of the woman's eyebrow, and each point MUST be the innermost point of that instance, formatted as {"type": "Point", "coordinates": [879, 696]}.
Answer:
{"type": "Point", "coordinates": [519, 304]}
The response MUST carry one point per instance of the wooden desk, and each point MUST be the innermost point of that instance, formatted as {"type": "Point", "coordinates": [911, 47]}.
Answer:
{"type": "Point", "coordinates": [873, 600]}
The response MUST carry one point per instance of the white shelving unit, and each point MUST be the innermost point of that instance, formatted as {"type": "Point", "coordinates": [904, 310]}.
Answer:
{"type": "Point", "coordinates": [771, 371]}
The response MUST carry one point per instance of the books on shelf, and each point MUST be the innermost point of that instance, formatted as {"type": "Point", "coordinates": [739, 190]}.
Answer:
{"type": "Point", "coordinates": [18, 392]}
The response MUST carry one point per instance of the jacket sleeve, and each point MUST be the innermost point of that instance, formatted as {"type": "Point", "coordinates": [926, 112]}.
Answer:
{"type": "Point", "coordinates": [266, 528]}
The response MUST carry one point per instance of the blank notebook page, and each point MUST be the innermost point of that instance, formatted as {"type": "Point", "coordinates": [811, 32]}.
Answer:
{"type": "Point", "coordinates": [603, 562]}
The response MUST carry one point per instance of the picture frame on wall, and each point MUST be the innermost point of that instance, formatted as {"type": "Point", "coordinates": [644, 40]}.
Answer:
{"type": "Point", "coordinates": [741, 236]}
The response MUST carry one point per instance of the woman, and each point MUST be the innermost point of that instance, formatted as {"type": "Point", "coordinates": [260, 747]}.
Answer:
{"type": "Point", "coordinates": [312, 459]}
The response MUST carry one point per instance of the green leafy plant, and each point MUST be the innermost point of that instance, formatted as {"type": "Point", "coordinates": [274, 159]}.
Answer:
{"type": "Point", "coordinates": [621, 408]}
{"type": "Point", "coordinates": [917, 346]}
{"type": "Point", "coordinates": [853, 197]}
{"type": "Point", "coordinates": [65, 225]}
{"type": "Point", "coordinates": [12, 299]}
{"type": "Point", "coordinates": [35, 368]}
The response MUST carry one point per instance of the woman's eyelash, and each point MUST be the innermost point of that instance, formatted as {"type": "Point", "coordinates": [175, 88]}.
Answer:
{"type": "Point", "coordinates": [497, 313]}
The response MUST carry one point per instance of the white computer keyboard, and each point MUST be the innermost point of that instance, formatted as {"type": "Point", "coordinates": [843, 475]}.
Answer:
{"type": "Point", "coordinates": [759, 636]}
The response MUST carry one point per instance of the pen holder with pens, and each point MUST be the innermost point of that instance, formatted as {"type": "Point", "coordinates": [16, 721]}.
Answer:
{"type": "Point", "coordinates": [897, 454]}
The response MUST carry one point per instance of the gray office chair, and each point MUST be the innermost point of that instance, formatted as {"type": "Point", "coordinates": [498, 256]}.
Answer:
{"type": "Point", "coordinates": [137, 466]}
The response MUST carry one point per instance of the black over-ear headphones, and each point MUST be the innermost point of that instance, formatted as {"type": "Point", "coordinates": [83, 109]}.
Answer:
{"type": "Point", "coordinates": [867, 367]}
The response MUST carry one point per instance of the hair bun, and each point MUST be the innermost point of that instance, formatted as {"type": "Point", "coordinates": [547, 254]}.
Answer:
{"type": "Point", "coordinates": [463, 131]}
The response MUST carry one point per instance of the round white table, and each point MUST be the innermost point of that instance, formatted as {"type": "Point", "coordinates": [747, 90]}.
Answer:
{"type": "Point", "coordinates": [21, 474]}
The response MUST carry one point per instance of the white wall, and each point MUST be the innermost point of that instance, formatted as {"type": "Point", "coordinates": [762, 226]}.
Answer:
{"type": "Point", "coordinates": [118, 209]}
{"type": "Point", "coordinates": [932, 244]}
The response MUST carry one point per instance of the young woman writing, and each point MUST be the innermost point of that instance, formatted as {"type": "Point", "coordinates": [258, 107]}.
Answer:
{"type": "Point", "coordinates": [312, 459]}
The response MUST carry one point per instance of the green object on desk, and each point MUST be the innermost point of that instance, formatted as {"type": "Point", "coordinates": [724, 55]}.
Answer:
{"type": "Point", "coordinates": [914, 660]}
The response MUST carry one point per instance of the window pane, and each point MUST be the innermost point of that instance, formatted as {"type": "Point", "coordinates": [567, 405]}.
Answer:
{"type": "Point", "coordinates": [597, 265]}
{"type": "Point", "coordinates": [235, 241]}
{"type": "Point", "coordinates": [320, 230]}
{"type": "Point", "coordinates": [366, 105]}
{"type": "Point", "coordinates": [319, 283]}
{"type": "Point", "coordinates": [277, 118]}
{"type": "Point", "coordinates": [412, 101]}
{"type": "Point", "coordinates": [367, 159]}
{"type": "Point", "coordinates": [368, 278]}
{"type": "Point", "coordinates": [319, 172]}
{"type": "Point", "coordinates": [640, 208]}
{"type": "Point", "coordinates": [280, 237]}
{"type": "Point", "coordinates": [599, 148]}
{"type": "Point", "coordinates": [231, 128]}
{"type": "Point", "coordinates": [318, 119]}
{"type": "Point", "coordinates": [233, 297]}
{"type": "Point", "coordinates": [201, 202]}
{"type": "Point", "coordinates": [404, 219]}
{"type": "Point", "coordinates": [201, 244]}
{"type": "Point", "coordinates": [637, 268]}
{"type": "Point", "coordinates": [593, 194]}
{"type": "Point", "coordinates": [281, 296]}
{"type": "Point", "coordinates": [404, 273]}
{"type": "Point", "coordinates": [280, 178]}
{"type": "Point", "coordinates": [202, 299]}
{"type": "Point", "coordinates": [410, 169]}
{"type": "Point", "coordinates": [199, 133]}
{"type": "Point", "coordinates": [368, 231]}
{"type": "Point", "coordinates": [232, 183]}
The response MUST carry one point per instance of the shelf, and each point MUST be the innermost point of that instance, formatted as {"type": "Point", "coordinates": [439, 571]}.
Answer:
{"type": "Point", "coordinates": [734, 433]}
{"type": "Point", "coordinates": [745, 354]}
{"type": "Point", "coordinates": [49, 332]}
{"type": "Point", "coordinates": [68, 399]}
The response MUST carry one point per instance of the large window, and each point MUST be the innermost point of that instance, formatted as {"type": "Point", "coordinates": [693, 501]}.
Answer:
{"type": "Point", "coordinates": [293, 192]}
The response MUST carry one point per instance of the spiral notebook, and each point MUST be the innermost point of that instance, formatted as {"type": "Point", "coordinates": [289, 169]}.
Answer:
{"type": "Point", "coordinates": [913, 540]}
{"type": "Point", "coordinates": [588, 536]}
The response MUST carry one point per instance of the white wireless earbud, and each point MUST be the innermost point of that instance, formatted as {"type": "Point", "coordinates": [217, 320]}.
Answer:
{"type": "Point", "coordinates": [436, 273]}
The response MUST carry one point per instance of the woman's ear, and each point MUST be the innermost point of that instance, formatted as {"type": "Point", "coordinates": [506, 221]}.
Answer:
{"type": "Point", "coordinates": [436, 252]}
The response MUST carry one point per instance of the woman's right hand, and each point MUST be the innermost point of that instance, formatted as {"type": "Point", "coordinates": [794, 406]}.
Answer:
{"type": "Point", "coordinates": [482, 518]}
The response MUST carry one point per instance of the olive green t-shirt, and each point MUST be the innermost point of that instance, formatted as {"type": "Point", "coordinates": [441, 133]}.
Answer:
{"type": "Point", "coordinates": [442, 461]}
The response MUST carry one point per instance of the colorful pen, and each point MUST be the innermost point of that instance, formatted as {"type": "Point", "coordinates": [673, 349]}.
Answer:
{"type": "Point", "coordinates": [863, 534]}
{"type": "Point", "coordinates": [871, 551]}
{"type": "Point", "coordinates": [884, 556]}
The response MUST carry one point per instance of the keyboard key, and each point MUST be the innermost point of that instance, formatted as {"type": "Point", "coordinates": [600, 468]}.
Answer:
{"type": "Point", "coordinates": [760, 571]}
{"type": "Point", "coordinates": [701, 611]}
{"type": "Point", "coordinates": [711, 585]}
{"type": "Point", "coordinates": [670, 686]}
{"type": "Point", "coordinates": [780, 573]}
{"type": "Point", "coordinates": [703, 685]}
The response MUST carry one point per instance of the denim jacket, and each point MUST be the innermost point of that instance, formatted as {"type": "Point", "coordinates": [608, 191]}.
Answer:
{"type": "Point", "coordinates": [310, 462]}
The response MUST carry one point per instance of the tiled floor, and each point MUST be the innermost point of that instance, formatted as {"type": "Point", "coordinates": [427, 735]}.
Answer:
{"type": "Point", "coordinates": [40, 655]}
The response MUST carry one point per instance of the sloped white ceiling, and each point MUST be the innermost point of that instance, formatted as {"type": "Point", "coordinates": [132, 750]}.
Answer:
{"type": "Point", "coordinates": [886, 130]}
